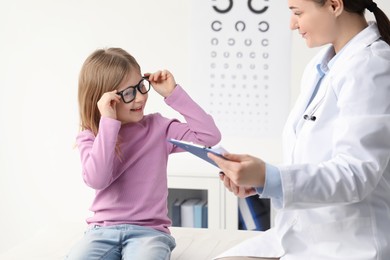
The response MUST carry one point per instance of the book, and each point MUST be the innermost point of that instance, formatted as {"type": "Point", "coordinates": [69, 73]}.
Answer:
{"type": "Point", "coordinates": [199, 150]}
{"type": "Point", "coordinates": [245, 215]}
{"type": "Point", "coordinates": [205, 215]}
{"type": "Point", "coordinates": [176, 212]}
{"type": "Point", "coordinates": [187, 212]}
{"type": "Point", "coordinates": [198, 211]}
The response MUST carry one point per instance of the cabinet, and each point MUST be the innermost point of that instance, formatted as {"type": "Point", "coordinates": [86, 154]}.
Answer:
{"type": "Point", "coordinates": [222, 205]}
{"type": "Point", "coordinates": [189, 177]}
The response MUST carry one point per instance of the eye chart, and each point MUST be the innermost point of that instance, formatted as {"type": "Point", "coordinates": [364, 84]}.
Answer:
{"type": "Point", "coordinates": [240, 64]}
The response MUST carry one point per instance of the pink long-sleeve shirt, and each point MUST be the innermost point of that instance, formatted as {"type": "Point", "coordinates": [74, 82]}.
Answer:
{"type": "Point", "coordinates": [132, 188]}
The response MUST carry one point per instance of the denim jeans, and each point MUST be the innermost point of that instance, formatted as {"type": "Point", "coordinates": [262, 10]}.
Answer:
{"type": "Point", "coordinates": [123, 242]}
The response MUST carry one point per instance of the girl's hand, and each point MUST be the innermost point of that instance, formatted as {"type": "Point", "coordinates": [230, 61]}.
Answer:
{"type": "Point", "coordinates": [107, 104]}
{"type": "Point", "coordinates": [163, 82]}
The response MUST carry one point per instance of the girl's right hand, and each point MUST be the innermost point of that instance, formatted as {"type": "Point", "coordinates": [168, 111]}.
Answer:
{"type": "Point", "coordinates": [107, 104]}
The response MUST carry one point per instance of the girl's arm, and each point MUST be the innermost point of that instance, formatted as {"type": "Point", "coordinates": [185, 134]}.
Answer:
{"type": "Point", "coordinates": [199, 127]}
{"type": "Point", "coordinates": [97, 154]}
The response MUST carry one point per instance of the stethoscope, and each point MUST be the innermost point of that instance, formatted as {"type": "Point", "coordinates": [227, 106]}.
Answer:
{"type": "Point", "coordinates": [311, 116]}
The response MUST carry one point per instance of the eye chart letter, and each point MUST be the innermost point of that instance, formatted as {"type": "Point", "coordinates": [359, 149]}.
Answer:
{"type": "Point", "coordinates": [240, 64]}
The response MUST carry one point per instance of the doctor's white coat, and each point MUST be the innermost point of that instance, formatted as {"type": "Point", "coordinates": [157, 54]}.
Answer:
{"type": "Point", "coordinates": [336, 178]}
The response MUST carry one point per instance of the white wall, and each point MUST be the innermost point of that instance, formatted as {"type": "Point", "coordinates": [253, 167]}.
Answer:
{"type": "Point", "coordinates": [43, 44]}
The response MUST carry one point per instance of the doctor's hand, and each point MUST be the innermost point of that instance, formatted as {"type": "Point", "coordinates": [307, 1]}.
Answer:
{"type": "Point", "coordinates": [241, 192]}
{"type": "Point", "coordinates": [242, 172]}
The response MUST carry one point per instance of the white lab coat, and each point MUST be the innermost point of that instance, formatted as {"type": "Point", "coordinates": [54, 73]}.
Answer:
{"type": "Point", "coordinates": [336, 178]}
{"type": "Point", "coordinates": [336, 182]}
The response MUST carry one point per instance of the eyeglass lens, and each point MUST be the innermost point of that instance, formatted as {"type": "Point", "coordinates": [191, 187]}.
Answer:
{"type": "Point", "coordinates": [129, 94]}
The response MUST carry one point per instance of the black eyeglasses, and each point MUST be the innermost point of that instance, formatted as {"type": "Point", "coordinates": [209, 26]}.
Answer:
{"type": "Point", "coordinates": [128, 94]}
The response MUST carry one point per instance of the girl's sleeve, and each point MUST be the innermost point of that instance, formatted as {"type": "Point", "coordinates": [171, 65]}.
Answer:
{"type": "Point", "coordinates": [199, 126]}
{"type": "Point", "coordinates": [97, 154]}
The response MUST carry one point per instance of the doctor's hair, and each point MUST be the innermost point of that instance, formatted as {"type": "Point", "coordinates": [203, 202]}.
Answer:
{"type": "Point", "coordinates": [359, 7]}
{"type": "Point", "coordinates": [102, 71]}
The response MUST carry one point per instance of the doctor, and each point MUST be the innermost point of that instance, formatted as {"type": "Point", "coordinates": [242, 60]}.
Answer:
{"type": "Point", "coordinates": [333, 192]}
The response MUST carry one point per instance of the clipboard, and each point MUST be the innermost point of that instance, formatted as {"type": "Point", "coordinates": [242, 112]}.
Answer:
{"type": "Point", "coordinates": [199, 150]}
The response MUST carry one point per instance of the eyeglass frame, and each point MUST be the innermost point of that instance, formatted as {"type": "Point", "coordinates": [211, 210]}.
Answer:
{"type": "Point", "coordinates": [135, 88]}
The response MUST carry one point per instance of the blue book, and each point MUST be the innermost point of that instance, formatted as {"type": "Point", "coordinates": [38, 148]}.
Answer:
{"type": "Point", "coordinates": [176, 213]}
{"type": "Point", "coordinates": [198, 211]}
{"type": "Point", "coordinates": [205, 215]}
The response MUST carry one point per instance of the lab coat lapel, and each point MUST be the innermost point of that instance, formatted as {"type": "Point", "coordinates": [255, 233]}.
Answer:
{"type": "Point", "coordinates": [296, 115]}
{"type": "Point", "coordinates": [308, 86]}
{"type": "Point", "coordinates": [314, 103]}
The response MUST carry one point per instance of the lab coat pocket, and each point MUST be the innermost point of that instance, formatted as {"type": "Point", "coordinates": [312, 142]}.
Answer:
{"type": "Point", "coordinates": [345, 239]}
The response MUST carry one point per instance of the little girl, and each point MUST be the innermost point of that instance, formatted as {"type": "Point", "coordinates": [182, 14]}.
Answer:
{"type": "Point", "coordinates": [124, 155]}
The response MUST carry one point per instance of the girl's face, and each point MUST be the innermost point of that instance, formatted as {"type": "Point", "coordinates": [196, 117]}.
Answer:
{"type": "Point", "coordinates": [134, 111]}
{"type": "Point", "coordinates": [316, 23]}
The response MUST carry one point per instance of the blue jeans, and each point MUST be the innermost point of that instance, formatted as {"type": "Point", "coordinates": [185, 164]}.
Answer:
{"type": "Point", "coordinates": [123, 242]}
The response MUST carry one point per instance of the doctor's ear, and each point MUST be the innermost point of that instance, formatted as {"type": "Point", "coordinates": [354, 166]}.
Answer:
{"type": "Point", "coordinates": [336, 6]}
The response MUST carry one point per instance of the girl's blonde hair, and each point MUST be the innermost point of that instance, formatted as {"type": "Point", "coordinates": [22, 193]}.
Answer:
{"type": "Point", "coordinates": [102, 71]}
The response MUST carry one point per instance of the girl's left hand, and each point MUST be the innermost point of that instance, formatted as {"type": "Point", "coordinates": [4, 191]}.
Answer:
{"type": "Point", "coordinates": [162, 81]}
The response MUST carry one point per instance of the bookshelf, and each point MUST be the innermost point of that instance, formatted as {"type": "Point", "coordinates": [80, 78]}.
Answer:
{"type": "Point", "coordinates": [222, 205]}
